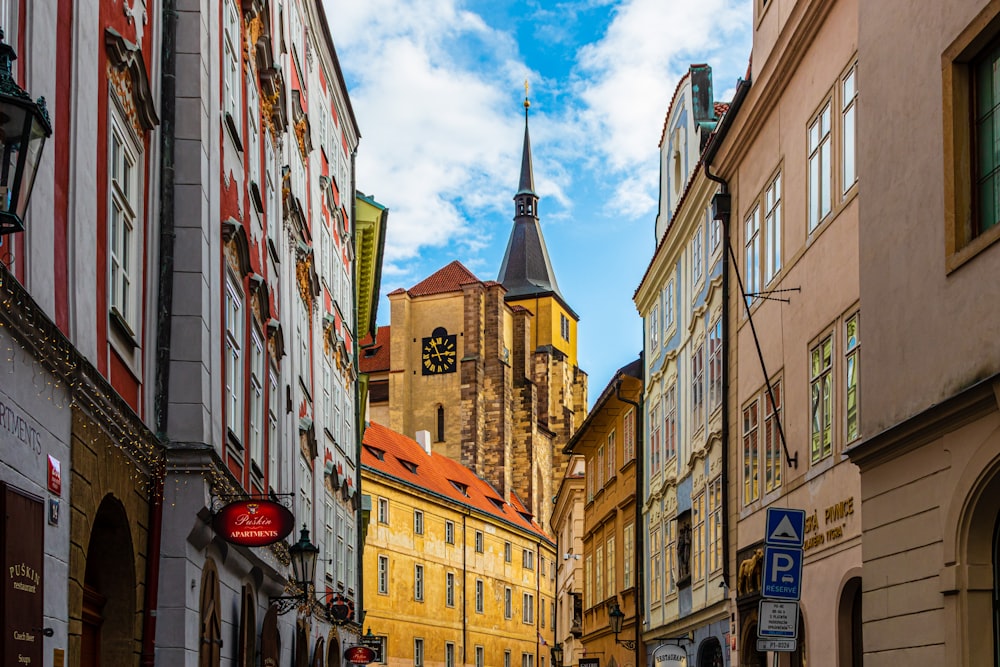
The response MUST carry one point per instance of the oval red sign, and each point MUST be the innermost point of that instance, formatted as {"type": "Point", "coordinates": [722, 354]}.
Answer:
{"type": "Point", "coordinates": [253, 523]}
{"type": "Point", "coordinates": [359, 655]}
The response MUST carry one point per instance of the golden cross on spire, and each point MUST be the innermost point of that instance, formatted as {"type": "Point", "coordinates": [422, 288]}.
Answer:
{"type": "Point", "coordinates": [526, 102]}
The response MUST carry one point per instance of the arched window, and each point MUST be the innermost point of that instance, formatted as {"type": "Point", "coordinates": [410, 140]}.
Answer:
{"type": "Point", "coordinates": [440, 423]}
{"type": "Point", "coordinates": [851, 647]}
{"type": "Point", "coordinates": [710, 653]}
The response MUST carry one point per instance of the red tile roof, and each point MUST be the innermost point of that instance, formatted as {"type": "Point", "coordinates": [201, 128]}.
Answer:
{"type": "Point", "coordinates": [375, 358]}
{"type": "Point", "coordinates": [439, 475]}
{"type": "Point", "coordinates": [720, 109]}
{"type": "Point", "coordinates": [448, 279]}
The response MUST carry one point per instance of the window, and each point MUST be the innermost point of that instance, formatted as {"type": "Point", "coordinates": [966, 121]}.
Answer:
{"type": "Point", "coordinates": [528, 559]}
{"type": "Point", "coordinates": [670, 541]}
{"type": "Point", "coordinates": [480, 656]}
{"type": "Point", "coordinates": [599, 572]}
{"type": "Point", "coordinates": [655, 571]}
{"type": "Point", "coordinates": [590, 479]}
{"type": "Point", "coordinates": [772, 439]}
{"type": "Point", "coordinates": [628, 539]}
{"type": "Point", "coordinates": [383, 575]}
{"type": "Point", "coordinates": [507, 551]}
{"type": "Point", "coordinates": [506, 658]}
{"type": "Point", "coordinates": [698, 388]}
{"type": "Point", "coordinates": [588, 581]}
{"type": "Point", "coordinates": [527, 660]}
{"type": "Point", "coordinates": [541, 611]}
{"type": "Point", "coordinates": [698, 254]}
{"type": "Point", "coordinates": [819, 167]}
{"type": "Point", "coordinates": [655, 430]}
{"type": "Point", "coordinates": [715, 230]}
{"type": "Point", "coordinates": [527, 608]}
{"type": "Point", "coordinates": [848, 124]}
{"type": "Point", "coordinates": [234, 358]}
{"type": "Point", "coordinates": [305, 488]}
{"type": "Point", "coordinates": [821, 400]}
{"type": "Point", "coordinates": [715, 365]}
{"type": "Point", "coordinates": [418, 583]}
{"type": "Point", "coordinates": [449, 532]}
{"type": "Point", "coordinates": [654, 328]}
{"type": "Point", "coordinates": [253, 135]}
{"type": "Point", "coordinates": [449, 654]}
{"type": "Point", "coordinates": [751, 454]}
{"type": "Point", "coordinates": [273, 434]}
{"type": "Point", "coordinates": [418, 652]}
{"type": "Point", "coordinates": [772, 230]}
{"type": "Point", "coordinates": [599, 471]}
{"type": "Point", "coordinates": [612, 468]}
{"type": "Point", "coordinates": [124, 202]}
{"type": "Point", "coordinates": [329, 528]}
{"type": "Point", "coordinates": [852, 343]}
{"type": "Point", "coordinates": [257, 400]}
{"type": "Point", "coordinates": [698, 536]}
{"type": "Point", "coordinates": [508, 602]}
{"type": "Point", "coordinates": [668, 308]}
{"type": "Point", "coordinates": [670, 419]}
{"type": "Point", "coordinates": [564, 326]}
{"type": "Point", "coordinates": [383, 510]}
{"type": "Point", "coordinates": [628, 436]}
{"type": "Point", "coordinates": [715, 524]}
{"type": "Point", "coordinates": [610, 557]}
{"type": "Point", "coordinates": [440, 423]}
{"type": "Point", "coordinates": [449, 589]}
{"type": "Point", "coordinates": [751, 281]}
{"type": "Point", "coordinates": [479, 596]}
{"type": "Point", "coordinates": [231, 80]}
{"type": "Point", "coordinates": [479, 541]}
{"type": "Point", "coordinates": [418, 522]}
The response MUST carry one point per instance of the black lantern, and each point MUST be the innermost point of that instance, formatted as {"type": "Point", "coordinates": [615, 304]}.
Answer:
{"type": "Point", "coordinates": [616, 617]}
{"type": "Point", "coordinates": [24, 127]}
{"type": "Point", "coordinates": [557, 655]}
{"type": "Point", "coordinates": [304, 555]}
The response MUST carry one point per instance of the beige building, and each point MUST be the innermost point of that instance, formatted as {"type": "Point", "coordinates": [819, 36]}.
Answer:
{"type": "Point", "coordinates": [787, 158]}
{"type": "Point", "coordinates": [930, 460]}
{"type": "Point", "coordinates": [567, 525]}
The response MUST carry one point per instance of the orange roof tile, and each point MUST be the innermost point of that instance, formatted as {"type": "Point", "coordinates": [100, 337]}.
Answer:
{"type": "Point", "coordinates": [397, 456]}
{"type": "Point", "coordinates": [375, 358]}
{"type": "Point", "coordinates": [448, 279]}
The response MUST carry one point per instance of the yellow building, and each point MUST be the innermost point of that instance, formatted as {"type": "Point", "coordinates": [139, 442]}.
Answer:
{"type": "Point", "coordinates": [454, 574]}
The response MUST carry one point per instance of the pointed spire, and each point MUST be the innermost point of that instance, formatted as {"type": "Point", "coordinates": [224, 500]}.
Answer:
{"type": "Point", "coordinates": [527, 183]}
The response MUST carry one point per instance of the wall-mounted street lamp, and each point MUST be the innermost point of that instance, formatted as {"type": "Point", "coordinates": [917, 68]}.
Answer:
{"type": "Point", "coordinates": [24, 127]}
{"type": "Point", "coordinates": [303, 555]}
{"type": "Point", "coordinates": [615, 618]}
{"type": "Point", "coordinates": [557, 655]}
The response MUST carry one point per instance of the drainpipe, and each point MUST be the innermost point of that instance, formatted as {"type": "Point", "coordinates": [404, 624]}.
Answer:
{"type": "Point", "coordinates": [163, 316]}
{"type": "Point", "coordinates": [465, 597]}
{"type": "Point", "coordinates": [639, 471]}
{"type": "Point", "coordinates": [721, 210]}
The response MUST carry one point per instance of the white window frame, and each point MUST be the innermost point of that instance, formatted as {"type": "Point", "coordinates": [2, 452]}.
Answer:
{"type": "Point", "coordinates": [418, 522]}
{"type": "Point", "coordinates": [383, 511]}
{"type": "Point", "coordinates": [257, 365]}
{"type": "Point", "coordinates": [848, 128]}
{"type": "Point", "coordinates": [772, 229]}
{"type": "Point", "coordinates": [449, 589]}
{"type": "Point", "coordinates": [273, 431]}
{"type": "Point", "coordinates": [528, 559]}
{"type": "Point", "coordinates": [480, 595]}
{"type": "Point", "coordinates": [124, 214]}
{"type": "Point", "coordinates": [528, 608]}
{"type": "Point", "coordinates": [820, 171]}
{"type": "Point", "coordinates": [418, 652]}
{"type": "Point", "coordinates": [231, 54]}
{"type": "Point", "coordinates": [508, 602]}
{"type": "Point", "coordinates": [449, 532]}
{"type": "Point", "coordinates": [668, 309]}
{"type": "Point", "coordinates": [329, 530]}
{"type": "Point", "coordinates": [383, 575]}
{"type": "Point", "coordinates": [751, 278]}
{"type": "Point", "coordinates": [235, 336]}
{"type": "Point", "coordinates": [697, 256]}
{"type": "Point", "coordinates": [418, 582]}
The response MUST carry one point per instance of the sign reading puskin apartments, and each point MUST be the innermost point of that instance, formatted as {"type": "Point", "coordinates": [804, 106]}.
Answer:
{"type": "Point", "coordinates": [253, 523]}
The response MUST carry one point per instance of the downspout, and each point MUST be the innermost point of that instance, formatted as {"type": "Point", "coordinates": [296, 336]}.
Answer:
{"type": "Point", "coordinates": [538, 599]}
{"type": "Point", "coordinates": [359, 434]}
{"type": "Point", "coordinates": [721, 206]}
{"type": "Point", "coordinates": [465, 586]}
{"type": "Point", "coordinates": [164, 312]}
{"type": "Point", "coordinates": [639, 530]}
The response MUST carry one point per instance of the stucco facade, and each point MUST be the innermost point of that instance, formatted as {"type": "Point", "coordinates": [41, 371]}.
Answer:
{"type": "Point", "coordinates": [568, 527]}
{"type": "Point", "coordinates": [788, 162]}
{"type": "Point", "coordinates": [930, 460]}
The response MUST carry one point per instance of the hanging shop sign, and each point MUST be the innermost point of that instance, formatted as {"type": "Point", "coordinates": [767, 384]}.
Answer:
{"type": "Point", "coordinates": [253, 523]}
{"type": "Point", "coordinates": [359, 655]}
{"type": "Point", "coordinates": [22, 553]}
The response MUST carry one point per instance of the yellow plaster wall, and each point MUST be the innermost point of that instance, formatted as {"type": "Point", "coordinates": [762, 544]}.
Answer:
{"type": "Point", "coordinates": [401, 618]}
{"type": "Point", "coordinates": [547, 329]}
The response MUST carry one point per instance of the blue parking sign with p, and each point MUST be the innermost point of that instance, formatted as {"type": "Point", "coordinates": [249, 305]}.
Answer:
{"type": "Point", "coordinates": [782, 574]}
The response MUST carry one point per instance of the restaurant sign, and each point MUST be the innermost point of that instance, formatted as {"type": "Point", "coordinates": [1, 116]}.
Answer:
{"type": "Point", "coordinates": [253, 523]}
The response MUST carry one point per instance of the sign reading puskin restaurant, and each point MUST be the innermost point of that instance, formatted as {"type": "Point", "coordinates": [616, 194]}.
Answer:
{"type": "Point", "coordinates": [23, 593]}
{"type": "Point", "coordinates": [253, 523]}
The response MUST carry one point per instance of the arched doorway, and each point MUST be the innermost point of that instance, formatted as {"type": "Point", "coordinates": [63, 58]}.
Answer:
{"type": "Point", "coordinates": [800, 655]}
{"type": "Point", "coordinates": [210, 641]}
{"type": "Point", "coordinates": [851, 646]}
{"type": "Point", "coordinates": [109, 590]}
{"type": "Point", "coordinates": [996, 590]}
{"type": "Point", "coordinates": [749, 655]}
{"type": "Point", "coordinates": [710, 653]}
{"type": "Point", "coordinates": [333, 650]}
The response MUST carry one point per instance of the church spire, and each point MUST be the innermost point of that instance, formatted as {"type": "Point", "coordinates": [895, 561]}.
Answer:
{"type": "Point", "coordinates": [526, 271]}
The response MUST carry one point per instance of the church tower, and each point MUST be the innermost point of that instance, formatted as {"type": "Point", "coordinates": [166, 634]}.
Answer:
{"type": "Point", "coordinates": [484, 372]}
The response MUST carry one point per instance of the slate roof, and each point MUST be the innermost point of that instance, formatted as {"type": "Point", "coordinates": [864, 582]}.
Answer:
{"type": "Point", "coordinates": [375, 358]}
{"type": "Point", "coordinates": [394, 455]}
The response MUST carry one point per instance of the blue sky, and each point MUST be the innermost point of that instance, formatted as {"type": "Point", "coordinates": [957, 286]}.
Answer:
{"type": "Point", "coordinates": [437, 87]}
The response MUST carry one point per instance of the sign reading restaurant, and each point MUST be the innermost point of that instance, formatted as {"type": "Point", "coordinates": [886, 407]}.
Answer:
{"type": "Point", "coordinates": [253, 523]}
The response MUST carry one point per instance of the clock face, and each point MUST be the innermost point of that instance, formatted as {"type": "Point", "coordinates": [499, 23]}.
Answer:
{"type": "Point", "coordinates": [439, 354]}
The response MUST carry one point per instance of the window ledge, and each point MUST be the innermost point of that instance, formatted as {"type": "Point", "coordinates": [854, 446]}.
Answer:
{"type": "Point", "coordinates": [122, 328]}
{"type": "Point", "coordinates": [234, 132]}
{"type": "Point", "coordinates": [958, 258]}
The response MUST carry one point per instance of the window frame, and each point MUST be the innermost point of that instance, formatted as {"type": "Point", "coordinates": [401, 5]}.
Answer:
{"type": "Point", "coordinates": [383, 511]}
{"type": "Point", "coordinates": [449, 589]}
{"type": "Point", "coordinates": [772, 200]}
{"type": "Point", "coordinates": [528, 608]}
{"type": "Point", "coordinates": [234, 309]}
{"type": "Point", "coordinates": [817, 376]}
{"type": "Point", "coordinates": [750, 450]}
{"type": "Point", "coordinates": [819, 148]}
{"type": "Point", "coordinates": [852, 372]}
{"type": "Point", "coordinates": [480, 596]}
{"type": "Point", "coordinates": [125, 197]}
{"type": "Point", "coordinates": [848, 110]}
{"type": "Point", "coordinates": [418, 522]}
{"type": "Point", "coordinates": [418, 582]}
{"type": "Point", "coordinates": [383, 574]}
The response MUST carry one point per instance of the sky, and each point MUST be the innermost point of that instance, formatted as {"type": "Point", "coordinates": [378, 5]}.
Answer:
{"type": "Point", "coordinates": [437, 87]}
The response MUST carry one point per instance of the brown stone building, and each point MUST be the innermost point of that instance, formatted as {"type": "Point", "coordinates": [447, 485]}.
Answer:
{"type": "Point", "coordinates": [787, 159]}
{"type": "Point", "coordinates": [489, 368]}
{"type": "Point", "coordinates": [930, 460]}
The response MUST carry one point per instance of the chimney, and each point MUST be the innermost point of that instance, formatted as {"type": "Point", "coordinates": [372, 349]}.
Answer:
{"type": "Point", "coordinates": [424, 440]}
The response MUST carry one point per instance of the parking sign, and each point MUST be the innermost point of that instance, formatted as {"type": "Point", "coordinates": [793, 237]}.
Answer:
{"type": "Point", "coordinates": [782, 575]}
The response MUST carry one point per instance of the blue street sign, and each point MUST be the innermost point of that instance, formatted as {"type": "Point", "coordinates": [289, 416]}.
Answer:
{"type": "Point", "coordinates": [785, 527]}
{"type": "Point", "coordinates": [782, 575]}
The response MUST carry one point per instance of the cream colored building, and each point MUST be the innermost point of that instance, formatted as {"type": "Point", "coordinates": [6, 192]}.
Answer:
{"type": "Point", "coordinates": [930, 460]}
{"type": "Point", "coordinates": [567, 525]}
{"type": "Point", "coordinates": [787, 155]}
